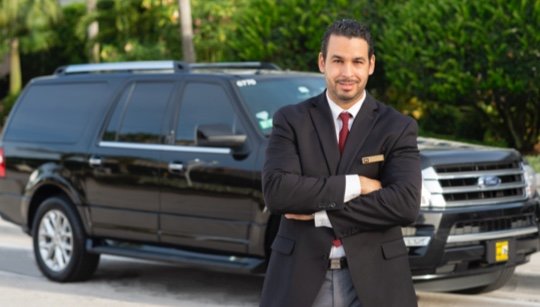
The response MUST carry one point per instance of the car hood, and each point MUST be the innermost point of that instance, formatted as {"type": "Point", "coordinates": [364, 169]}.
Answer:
{"type": "Point", "coordinates": [444, 152]}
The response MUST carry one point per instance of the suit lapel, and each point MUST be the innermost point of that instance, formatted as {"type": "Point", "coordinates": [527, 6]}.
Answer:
{"type": "Point", "coordinates": [321, 117]}
{"type": "Point", "coordinates": [360, 130]}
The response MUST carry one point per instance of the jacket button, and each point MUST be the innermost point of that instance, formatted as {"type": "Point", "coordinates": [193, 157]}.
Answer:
{"type": "Point", "coordinates": [332, 205]}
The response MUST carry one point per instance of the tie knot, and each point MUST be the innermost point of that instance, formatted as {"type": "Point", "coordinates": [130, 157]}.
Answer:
{"type": "Point", "coordinates": [345, 116]}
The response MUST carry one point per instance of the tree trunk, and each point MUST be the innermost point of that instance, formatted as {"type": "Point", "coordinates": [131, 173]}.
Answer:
{"type": "Point", "coordinates": [186, 31]}
{"type": "Point", "coordinates": [513, 136]}
{"type": "Point", "coordinates": [15, 78]}
{"type": "Point", "coordinates": [93, 30]}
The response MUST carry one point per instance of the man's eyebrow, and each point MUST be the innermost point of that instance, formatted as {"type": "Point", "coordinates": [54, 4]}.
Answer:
{"type": "Point", "coordinates": [336, 56]}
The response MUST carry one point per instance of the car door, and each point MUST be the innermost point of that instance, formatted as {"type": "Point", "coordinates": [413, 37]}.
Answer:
{"type": "Point", "coordinates": [207, 196]}
{"type": "Point", "coordinates": [122, 187]}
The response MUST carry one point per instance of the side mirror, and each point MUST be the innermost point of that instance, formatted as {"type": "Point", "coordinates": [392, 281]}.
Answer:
{"type": "Point", "coordinates": [219, 135]}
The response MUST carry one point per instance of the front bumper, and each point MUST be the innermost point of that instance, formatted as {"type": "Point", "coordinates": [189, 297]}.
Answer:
{"type": "Point", "coordinates": [454, 249]}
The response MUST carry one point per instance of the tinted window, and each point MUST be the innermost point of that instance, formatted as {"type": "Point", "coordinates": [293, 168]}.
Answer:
{"type": "Point", "coordinates": [140, 113]}
{"type": "Point", "coordinates": [56, 113]}
{"type": "Point", "coordinates": [204, 104]}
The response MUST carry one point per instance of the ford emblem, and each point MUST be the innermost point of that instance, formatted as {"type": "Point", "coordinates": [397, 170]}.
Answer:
{"type": "Point", "coordinates": [489, 181]}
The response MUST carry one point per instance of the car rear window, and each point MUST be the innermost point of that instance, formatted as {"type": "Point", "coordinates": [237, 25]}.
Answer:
{"type": "Point", "coordinates": [56, 113]}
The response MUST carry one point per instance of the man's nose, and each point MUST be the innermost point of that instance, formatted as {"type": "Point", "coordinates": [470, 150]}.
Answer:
{"type": "Point", "coordinates": [347, 69]}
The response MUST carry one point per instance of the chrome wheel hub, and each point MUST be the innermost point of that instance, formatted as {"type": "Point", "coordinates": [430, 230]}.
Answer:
{"type": "Point", "coordinates": [55, 240]}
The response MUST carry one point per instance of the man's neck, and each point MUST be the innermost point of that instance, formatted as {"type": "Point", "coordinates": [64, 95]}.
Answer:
{"type": "Point", "coordinates": [346, 105]}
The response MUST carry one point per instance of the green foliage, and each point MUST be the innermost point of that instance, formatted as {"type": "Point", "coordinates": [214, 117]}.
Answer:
{"type": "Point", "coordinates": [287, 32]}
{"type": "Point", "coordinates": [479, 54]}
{"type": "Point", "coordinates": [150, 30]}
{"type": "Point", "coordinates": [30, 21]}
{"type": "Point", "coordinates": [25, 25]}
{"type": "Point", "coordinates": [70, 50]}
{"type": "Point", "coordinates": [136, 29]}
{"type": "Point", "coordinates": [213, 28]}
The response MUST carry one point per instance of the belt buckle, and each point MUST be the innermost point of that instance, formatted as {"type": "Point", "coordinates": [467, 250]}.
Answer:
{"type": "Point", "coordinates": [335, 264]}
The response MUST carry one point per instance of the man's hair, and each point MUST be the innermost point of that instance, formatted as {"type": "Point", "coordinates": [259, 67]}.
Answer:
{"type": "Point", "coordinates": [348, 28]}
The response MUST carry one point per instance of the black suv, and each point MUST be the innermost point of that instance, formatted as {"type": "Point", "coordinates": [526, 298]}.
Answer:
{"type": "Point", "coordinates": [162, 160]}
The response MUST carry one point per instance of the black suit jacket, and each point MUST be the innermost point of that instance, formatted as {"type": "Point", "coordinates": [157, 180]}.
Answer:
{"type": "Point", "coordinates": [304, 173]}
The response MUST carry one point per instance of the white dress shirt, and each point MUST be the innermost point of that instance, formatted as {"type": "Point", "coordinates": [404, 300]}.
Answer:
{"type": "Point", "coordinates": [352, 183]}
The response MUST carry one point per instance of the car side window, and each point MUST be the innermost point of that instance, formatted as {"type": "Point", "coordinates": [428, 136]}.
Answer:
{"type": "Point", "coordinates": [140, 113]}
{"type": "Point", "coordinates": [204, 104]}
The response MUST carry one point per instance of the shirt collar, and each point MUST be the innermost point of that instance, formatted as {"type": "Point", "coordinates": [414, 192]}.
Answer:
{"type": "Point", "coordinates": [336, 109]}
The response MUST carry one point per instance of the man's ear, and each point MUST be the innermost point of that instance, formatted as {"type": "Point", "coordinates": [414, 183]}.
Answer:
{"type": "Point", "coordinates": [371, 64]}
{"type": "Point", "coordinates": [321, 62]}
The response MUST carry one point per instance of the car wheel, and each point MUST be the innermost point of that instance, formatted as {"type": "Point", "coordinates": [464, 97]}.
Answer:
{"type": "Point", "coordinates": [59, 239]}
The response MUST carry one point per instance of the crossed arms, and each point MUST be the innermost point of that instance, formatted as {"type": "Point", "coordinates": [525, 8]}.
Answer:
{"type": "Point", "coordinates": [390, 200]}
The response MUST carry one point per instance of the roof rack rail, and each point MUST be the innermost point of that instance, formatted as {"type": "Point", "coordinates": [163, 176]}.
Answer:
{"type": "Point", "coordinates": [159, 66]}
{"type": "Point", "coordinates": [235, 65]}
{"type": "Point", "coordinates": [141, 66]}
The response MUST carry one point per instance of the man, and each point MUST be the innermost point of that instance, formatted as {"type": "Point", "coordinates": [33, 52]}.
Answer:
{"type": "Point", "coordinates": [344, 171]}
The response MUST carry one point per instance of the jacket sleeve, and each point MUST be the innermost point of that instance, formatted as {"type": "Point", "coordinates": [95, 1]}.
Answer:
{"type": "Point", "coordinates": [398, 202]}
{"type": "Point", "coordinates": [285, 189]}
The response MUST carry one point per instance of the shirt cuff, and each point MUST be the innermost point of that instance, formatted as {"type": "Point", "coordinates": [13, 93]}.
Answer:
{"type": "Point", "coordinates": [321, 219]}
{"type": "Point", "coordinates": [353, 189]}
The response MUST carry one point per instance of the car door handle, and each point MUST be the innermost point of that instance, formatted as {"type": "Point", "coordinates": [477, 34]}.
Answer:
{"type": "Point", "coordinates": [176, 167]}
{"type": "Point", "coordinates": [95, 162]}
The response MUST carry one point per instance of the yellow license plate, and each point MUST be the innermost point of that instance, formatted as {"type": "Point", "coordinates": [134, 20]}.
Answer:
{"type": "Point", "coordinates": [502, 250]}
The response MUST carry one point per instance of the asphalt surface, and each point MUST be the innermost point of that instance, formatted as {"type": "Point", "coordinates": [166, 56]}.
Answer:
{"type": "Point", "coordinates": [127, 282]}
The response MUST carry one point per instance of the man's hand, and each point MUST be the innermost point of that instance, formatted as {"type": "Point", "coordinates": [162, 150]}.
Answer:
{"type": "Point", "coordinates": [369, 185]}
{"type": "Point", "coordinates": [299, 217]}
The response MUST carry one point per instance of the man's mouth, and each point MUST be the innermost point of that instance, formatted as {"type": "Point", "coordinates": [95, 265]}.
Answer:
{"type": "Point", "coordinates": [347, 81]}
{"type": "Point", "coordinates": [346, 84]}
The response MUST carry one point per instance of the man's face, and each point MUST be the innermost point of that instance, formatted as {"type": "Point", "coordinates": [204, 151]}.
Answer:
{"type": "Point", "coordinates": [346, 68]}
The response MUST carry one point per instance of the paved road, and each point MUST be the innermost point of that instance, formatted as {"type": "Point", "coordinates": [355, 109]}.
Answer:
{"type": "Point", "coordinates": [126, 282]}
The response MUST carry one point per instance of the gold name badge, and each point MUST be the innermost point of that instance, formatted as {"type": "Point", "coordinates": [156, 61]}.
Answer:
{"type": "Point", "coordinates": [372, 159]}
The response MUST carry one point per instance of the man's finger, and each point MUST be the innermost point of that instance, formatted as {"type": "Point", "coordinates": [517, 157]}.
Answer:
{"type": "Point", "coordinates": [299, 217]}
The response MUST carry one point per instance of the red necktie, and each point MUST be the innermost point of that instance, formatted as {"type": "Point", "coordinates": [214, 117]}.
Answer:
{"type": "Point", "coordinates": [344, 132]}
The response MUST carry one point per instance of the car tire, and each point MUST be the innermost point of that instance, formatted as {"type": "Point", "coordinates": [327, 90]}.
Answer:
{"type": "Point", "coordinates": [59, 242]}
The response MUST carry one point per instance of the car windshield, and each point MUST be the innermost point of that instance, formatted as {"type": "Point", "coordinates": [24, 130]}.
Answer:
{"type": "Point", "coordinates": [263, 97]}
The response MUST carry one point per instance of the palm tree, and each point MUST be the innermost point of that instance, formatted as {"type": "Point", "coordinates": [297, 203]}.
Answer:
{"type": "Point", "coordinates": [93, 31]}
{"type": "Point", "coordinates": [25, 24]}
{"type": "Point", "coordinates": [186, 29]}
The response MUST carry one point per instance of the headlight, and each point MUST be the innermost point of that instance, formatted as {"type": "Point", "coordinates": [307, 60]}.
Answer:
{"type": "Point", "coordinates": [530, 180]}
{"type": "Point", "coordinates": [425, 198]}
{"type": "Point", "coordinates": [432, 194]}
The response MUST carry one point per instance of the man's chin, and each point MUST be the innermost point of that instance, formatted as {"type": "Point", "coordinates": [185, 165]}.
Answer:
{"type": "Point", "coordinates": [348, 98]}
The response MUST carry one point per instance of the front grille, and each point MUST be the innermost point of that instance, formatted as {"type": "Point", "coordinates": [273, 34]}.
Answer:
{"type": "Point", "coordinates": [496, 224]}
{"type": "Point", "coordinates": [453, 197]}
{"type": "Point", "coordinates": [477, 184]}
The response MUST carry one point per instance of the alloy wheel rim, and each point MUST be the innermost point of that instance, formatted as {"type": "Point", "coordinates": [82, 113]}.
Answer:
{"type": "Point", "coordinates": [55, 240]}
